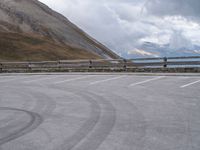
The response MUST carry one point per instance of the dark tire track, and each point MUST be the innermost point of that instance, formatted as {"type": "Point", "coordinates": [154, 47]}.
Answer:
{"type": "Point", "coordinates": [35, 121]}
{"type": "Point", "coordinates": [86, 128]}
{"type": "Point", "coordinates": [45, 105]}
{"type": "Point", "coordinates": [96, 129]}
{"type": "Point", "coordinates": [24, 106]}
{"type": "Point", "coordinates": [103, 128]}
{"type": "Point", "coordinates": [40, 103]}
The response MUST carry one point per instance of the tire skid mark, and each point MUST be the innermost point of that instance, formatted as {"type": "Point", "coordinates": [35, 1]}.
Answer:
{"type": "Point", "coordinates": [24, 106]}
{"type": "Point", "coordinates": [35, 121]}
{"type": "Point", "coordinates": [95, 133]}
{"type": "Point", "coordinates": [88, 125]}
{"type": "Point", "coordinates": [103, 128]}
{"type": "Point", "coordinates": [44, 104]}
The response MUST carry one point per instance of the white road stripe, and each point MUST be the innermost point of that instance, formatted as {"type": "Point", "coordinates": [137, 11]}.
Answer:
{"type": "Point", "coordinates": [6, 77]}
{"type": "Point", "coordinates": [189, 84]}
{"type": "Point", "coordinates": [13, 79]}
{"type": "Point", "coordinates": [142, 82]}
{"type": "Point", "coordinates": [41, 79]}
{"type": "Point", "coordinates": [101, 81]}
{"type": "Point", "coordinates": [69, 80]}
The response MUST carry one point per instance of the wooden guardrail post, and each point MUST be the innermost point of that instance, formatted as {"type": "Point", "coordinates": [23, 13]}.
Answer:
{"type": "Point", "coordinates": [165, 62]}
{"type": "Point", "coordinates": [59, 64]}
{"type": "Point", "coordinates": [1, 67]}
{"type": "Point", "coordinates": [29, 66]}
{"type": "Point", "coordinates": [90, 64]}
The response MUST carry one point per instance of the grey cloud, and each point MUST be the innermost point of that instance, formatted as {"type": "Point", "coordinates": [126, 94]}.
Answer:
{"type": "Point", "coordinates": [187, 8]}
{"type": "Point", "coordinates": [178, 40]}
{"type": "Point", "coordinates": [124, 25]}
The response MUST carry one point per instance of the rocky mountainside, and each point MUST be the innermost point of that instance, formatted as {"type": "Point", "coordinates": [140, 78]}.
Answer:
{"type": "Point", "coordinates": [29, 30]}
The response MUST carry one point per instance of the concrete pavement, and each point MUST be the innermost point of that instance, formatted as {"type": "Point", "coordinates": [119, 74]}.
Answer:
{"type": "Point", "coordinates": [99, 112]}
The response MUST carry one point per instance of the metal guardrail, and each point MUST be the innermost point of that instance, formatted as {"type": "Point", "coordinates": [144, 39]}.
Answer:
{"type": "Point", "coordinates": [112, 64]}
{"type": "Point", "coordinates": [192, 61]}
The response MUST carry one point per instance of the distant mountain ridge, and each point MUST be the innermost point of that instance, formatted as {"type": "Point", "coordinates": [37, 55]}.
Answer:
{"type": "Point", "coordinates": [149, 49]}
{"type": "Point", "coordinates": [29, 30]}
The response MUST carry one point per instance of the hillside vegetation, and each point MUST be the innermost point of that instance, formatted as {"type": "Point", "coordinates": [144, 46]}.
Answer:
{"type": "Point", "coordinates": [23, 47]}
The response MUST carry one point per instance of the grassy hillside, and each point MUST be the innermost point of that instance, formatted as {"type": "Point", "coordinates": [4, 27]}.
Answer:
{"type": "Point", "coordinates": [26, 47]}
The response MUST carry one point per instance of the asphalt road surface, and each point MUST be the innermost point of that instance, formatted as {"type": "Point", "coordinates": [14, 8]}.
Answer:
{"type": "Point", "coordinates": [99, 112]}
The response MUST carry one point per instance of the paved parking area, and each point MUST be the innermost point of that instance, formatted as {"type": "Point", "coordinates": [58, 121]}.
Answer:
{"type": "Point", "coordinates": [99, 112]}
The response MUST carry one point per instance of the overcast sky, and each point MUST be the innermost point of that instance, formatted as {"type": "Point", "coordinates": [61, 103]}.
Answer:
{"type": "Point", "coordinates": [124, 25]}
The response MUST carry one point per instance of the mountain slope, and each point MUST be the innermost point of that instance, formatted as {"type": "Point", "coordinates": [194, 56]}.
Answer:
{"type": "Point", "coordinates": [24, 47]}
{"type": "Point", "coordinates": [29, 30]}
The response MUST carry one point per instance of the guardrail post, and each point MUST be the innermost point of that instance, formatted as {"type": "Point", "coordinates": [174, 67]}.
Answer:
{"type": "Point", "coordinates": [1, 67]}
{"type": "Point", "coordinates": [29, 66]}
{"type": "Point", "coordinates": [90, 64]}
{"type": "Point", "coordinates": [165, 62]}
{"type": "Point", "coordinates": [59, 66]}
{"type": "Point", "coordinates": [125, 64]}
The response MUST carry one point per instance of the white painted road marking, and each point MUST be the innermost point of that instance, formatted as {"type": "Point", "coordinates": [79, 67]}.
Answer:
{"type": "Point", "coordinates": [6, 77]}
{"type": "Point", "coordinates": [41, 79]}
{"type": "Point", "coordinates": [73, 79]}
{"type": "Point", "coordinates": [101, 81]}
{"type": "Point", "coordinates": [142, 82]}
{"type": "Point", "coordinates": [189, 84]}
{"type": "Point", "coordinates": [15, 78]}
